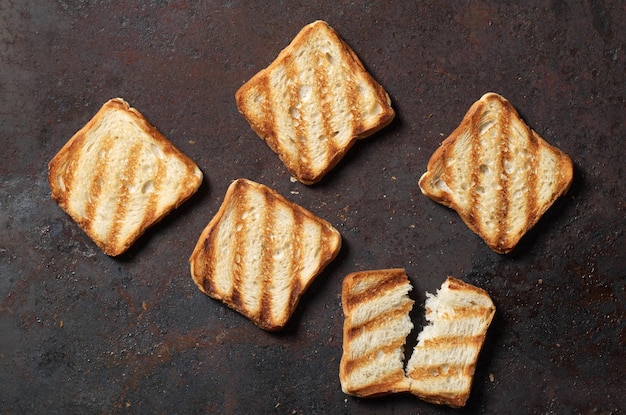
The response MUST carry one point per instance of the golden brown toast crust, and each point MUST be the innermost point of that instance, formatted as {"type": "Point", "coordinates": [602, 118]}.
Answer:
{"type": "Point", "coordinates": [224, 241]}
{"type": "Point", "coordinates": [460, 175]}
{"type": "Point", "coordinates": [66, 182]}
{"type": "Point", "coordinates": [255, 102]}
{"type": "Point", "coordinates": [457, 284]}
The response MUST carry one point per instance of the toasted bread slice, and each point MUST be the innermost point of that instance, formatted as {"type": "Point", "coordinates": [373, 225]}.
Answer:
{"type": "Point", "coordinates": [260, 252]}
{"type": "Point", "coordinates": [376, 307]}
{"type": "Point", "coordinates": [118, 175]}
{"type": "Point", "coordinates": [499, 175]}
{"type": "Point", "coordinates": [313, 102]}
{"type": "Point", "coordinates": [441, 367]}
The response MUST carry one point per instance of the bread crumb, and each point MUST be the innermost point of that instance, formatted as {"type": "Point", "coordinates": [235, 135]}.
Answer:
{"type": "Point", "coordinates": [61, 323]}
{"type": "Point", "coordinates": [192, 141]}
{"type": "Point", "coordinates": [491, 377]}
{"type": "Point", "coordinates": [144, 305]}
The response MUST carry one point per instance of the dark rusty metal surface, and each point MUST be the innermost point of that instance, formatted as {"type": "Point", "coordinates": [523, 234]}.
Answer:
{"type": "Point", "coordinates": [84, 333]}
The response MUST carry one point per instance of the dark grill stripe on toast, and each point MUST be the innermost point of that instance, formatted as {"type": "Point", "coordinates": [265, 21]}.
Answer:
{"type": "Point", "coordinates": [504, 122]}
{"type": "Point", "coordinates": [298, 123]}
{"type": "Point", "coordinates": [437, 371]}
{"type": "Point", "coordinates": [128, 175]}
{"type": "Point", "coordinates": [531, 184]}
{"type": "Point", "coordinates": [329, 96]}
{"type": "Point", "coordinates": [476, 178]}
{"type": "Point", "coordinates": [379, 321]}
{"type": "Point", "coordinates": [324, 95]}
{"type": "Point", "coordinates": [453, 341]}
{"type": "Point", "coordinates": [234, 296]}
{"type": "Point", "coordinates": [207, 283]}
{"type": "Point", "coordinates": [377, 289]}
{"type": "Point", "coordinates": [95, 188]}
{"type": "Point", "coordinates": [366, 359]}
{"type": "Point", "coordinates": [297, 258]}
{"type": "Point", "coordinates": [267, 303]}
{"type": "Point", "coordinates": [157, 182]}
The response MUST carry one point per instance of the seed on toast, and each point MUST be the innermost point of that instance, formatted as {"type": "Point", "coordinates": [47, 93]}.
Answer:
{"type": "Point", "coordinates": [313, 102]}
{"type": "Point", "coordinates": [118, 175]}
{"type": "Point", "coordinates": [497, 173]}
{"type": "Point", "coordinates": [260, 253]}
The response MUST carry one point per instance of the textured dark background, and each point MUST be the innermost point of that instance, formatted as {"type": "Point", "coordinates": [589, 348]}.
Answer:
{"type": "Point", "coordinates": [84, 333]}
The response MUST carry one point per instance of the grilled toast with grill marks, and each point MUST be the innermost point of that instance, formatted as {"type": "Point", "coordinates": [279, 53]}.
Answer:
{"type": "Point", "coordinates": [497, 173]}
{"type": "Point", "coordinates": [376, 307]}
{"type": "Point", "coordinates": [440, 370]}
{"type": "Point", "coordinates": [443, 361]}
{"type": "Point", "coordinates": [313, 102]}
{"type": "Point", "coordinates": [260, 253]}
{"type": "Point", "coordinates": [118, 175]}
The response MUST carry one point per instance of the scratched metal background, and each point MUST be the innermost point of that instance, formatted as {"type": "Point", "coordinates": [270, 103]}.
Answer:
{"type": "Point", "coordinates": [84, 333]}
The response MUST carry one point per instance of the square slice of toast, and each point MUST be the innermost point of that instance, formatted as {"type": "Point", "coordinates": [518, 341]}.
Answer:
{"type": "Point", "coordinates": [497, 173]}
{"type": "Point", "coordinates": [260, 253]}
{"type": "Point", "coordinates": [118, 175]}
{"type": "Point", "coordinates": [313, 102]}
